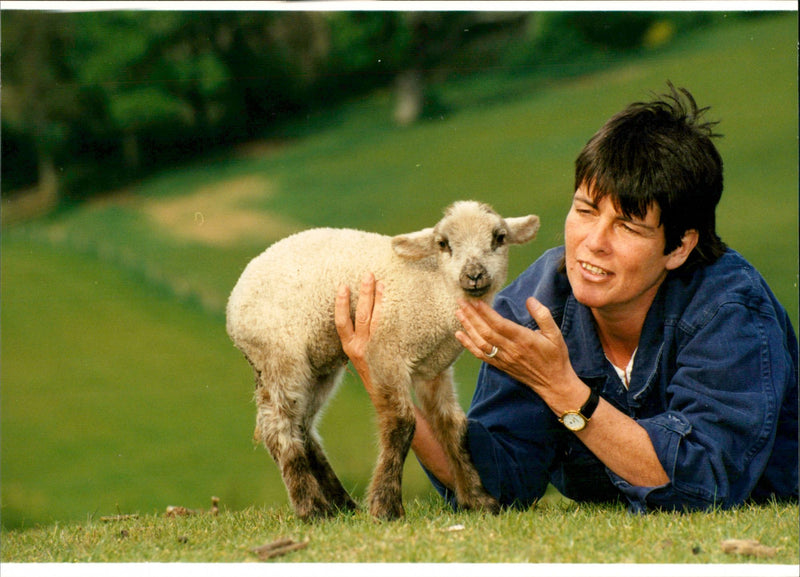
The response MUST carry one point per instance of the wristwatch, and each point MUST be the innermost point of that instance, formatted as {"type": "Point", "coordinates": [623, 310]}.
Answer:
{"type": "Point", "coordinates": [576, 420]}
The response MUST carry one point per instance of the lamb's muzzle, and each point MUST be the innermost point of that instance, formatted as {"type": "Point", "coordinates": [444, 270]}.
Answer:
{"type": "Point", "coordinates": [475, 280]}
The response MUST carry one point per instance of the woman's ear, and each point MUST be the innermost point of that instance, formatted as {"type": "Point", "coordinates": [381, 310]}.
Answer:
{"type": "Point", "coordinates": [677, 257]}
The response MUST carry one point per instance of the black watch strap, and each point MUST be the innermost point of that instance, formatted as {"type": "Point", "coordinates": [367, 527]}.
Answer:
{"type": "Point", "coordinates": [587, 410]}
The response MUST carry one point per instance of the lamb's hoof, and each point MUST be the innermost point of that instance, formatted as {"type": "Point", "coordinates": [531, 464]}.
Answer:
{"type": "Point", "coordinates": [315, 510]}
{"type": "Point", "coordinates": [387, 511]}
{"type": "Point", "coordinates": [345, 504]}
{"type": "Point", "coordinates": [490, 505]}
{"type": "Point", "coordinates": [482, 502]}
{"type": "Point", "coordinates": [343, 508]}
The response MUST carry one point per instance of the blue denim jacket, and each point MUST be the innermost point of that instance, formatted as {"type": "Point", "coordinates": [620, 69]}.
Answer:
{"type": "Point", "coordinates": [714, 384]}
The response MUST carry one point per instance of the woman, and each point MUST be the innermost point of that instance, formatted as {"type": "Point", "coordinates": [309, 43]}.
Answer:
{"type": "Point", "coordinates": [644, 359]}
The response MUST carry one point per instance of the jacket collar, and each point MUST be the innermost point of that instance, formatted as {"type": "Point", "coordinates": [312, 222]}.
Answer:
{"type": "Point", "coordinates": [580, 334]}
{"type": "Point", "coordinates": [651, 345]}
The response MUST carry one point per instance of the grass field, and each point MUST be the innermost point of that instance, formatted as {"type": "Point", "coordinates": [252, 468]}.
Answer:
{"type": "Point", "coordinates": [120, 390]}
{"type": "Point", "coordinates": [430, 533]}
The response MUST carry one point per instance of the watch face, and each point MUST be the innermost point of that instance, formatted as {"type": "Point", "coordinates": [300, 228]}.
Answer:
{"type": "Point", "coordinates": [573, 421]}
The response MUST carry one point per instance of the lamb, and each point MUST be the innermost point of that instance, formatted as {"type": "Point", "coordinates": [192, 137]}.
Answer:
{"type": "Point", "coordinates": [280, 315]}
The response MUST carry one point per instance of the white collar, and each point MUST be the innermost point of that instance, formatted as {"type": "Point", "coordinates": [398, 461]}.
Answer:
{"type": "Point", "coordinates": [625, 374]}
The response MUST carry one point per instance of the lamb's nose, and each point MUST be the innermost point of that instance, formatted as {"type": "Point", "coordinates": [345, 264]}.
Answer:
{"type": "Point", "coordinates": [474, 276]}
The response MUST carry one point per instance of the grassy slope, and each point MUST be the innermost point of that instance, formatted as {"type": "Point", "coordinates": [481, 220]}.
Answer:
{"type": "Point", "coordinates": [430, 533]}
{"type": "Point", "coordinates": [116, 397]}
{"type": "Point", "coordinates": [113, 397]}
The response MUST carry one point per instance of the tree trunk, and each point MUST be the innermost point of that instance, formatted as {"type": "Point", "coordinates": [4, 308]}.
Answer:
{"type": "Point", "coordinates": [410, 97]}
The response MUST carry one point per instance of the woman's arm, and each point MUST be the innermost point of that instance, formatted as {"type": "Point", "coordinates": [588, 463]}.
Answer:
{"type": "Point", "coordinates": [540, 360]}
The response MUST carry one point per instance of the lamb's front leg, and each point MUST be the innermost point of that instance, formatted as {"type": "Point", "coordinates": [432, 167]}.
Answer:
{"type": "Point", "coordinates": [396, 422]}
{"type": "Point", "coordinates": [440, 406]}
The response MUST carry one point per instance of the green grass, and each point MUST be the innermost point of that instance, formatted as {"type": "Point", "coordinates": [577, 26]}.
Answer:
{"type": "Point", "coordinates": [430, 533]}
{"type": "Point", "coordinates": [122, 393]}
{"type": "Point", "coordinates": [110, 398]}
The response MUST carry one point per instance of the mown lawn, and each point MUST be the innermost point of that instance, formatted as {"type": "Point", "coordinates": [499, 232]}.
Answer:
{"type": "Point", "coordinates": [122, 394]}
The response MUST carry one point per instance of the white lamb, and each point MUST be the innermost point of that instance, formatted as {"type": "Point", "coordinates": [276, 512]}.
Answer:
{"type": "Point", "coordinates": [280, 315]}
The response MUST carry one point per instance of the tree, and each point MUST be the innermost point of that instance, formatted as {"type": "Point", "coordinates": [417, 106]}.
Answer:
{"type": "Point", "coordinates": [38, 97]}
{"type": "Point", "coordinates": [149, 73]}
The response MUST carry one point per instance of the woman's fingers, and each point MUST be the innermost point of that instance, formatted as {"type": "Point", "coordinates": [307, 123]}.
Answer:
{"type": "Point", "coordinates": [484, 335]}
{"type": "Point", "coordinates": [341, 314]}
{"type": "Point", "coordinates": [544, 320]}
{"type": "Point", "coordinates": [366, 301]}
{"type": "Point", "coordinates": [355, 336]}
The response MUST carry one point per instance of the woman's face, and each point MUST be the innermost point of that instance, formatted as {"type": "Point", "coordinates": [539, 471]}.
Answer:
{"type": "Point", "coordinates": [614, 263]}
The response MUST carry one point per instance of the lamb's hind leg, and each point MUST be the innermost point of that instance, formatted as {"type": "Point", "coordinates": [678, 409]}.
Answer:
{"type": "Point", "coordinates": [396, 422]}
{"type": "Point", "coordinates": [280, 425]}
{"type": "Point", "coordinates": [438, 402]}
{"type": "Point", "coordinates": [336, 494]}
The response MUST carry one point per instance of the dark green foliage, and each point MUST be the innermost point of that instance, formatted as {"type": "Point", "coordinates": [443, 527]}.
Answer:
{"type": "Point", "coordinates": [97, 99]}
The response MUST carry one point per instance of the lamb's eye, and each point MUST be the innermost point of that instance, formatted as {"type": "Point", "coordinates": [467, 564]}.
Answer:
{"type": "Point", "coordinates": [499, 239]}
{"type": "Point", "coordinates": [444, 245]}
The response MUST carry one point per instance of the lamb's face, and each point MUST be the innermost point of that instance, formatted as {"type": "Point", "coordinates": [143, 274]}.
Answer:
{"type": "Point", "coordinates": [471, 244]}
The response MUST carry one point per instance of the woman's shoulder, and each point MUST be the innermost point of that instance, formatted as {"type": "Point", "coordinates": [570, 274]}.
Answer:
{"type": "Point", "coordinates": [730, 280]}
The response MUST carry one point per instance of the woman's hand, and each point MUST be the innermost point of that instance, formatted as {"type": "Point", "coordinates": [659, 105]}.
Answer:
{"type": "Point", "coordinates": [355, 337]}
{"type": "Point", "coordinates": [537, 358]}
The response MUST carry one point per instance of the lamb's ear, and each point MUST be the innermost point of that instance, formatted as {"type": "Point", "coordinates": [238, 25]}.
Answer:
{"type": "Point", "coordinates": [521, 229]}
{"type": "Point", "coordinates": [414, 245]}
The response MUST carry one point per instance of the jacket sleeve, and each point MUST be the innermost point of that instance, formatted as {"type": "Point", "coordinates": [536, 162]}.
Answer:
{"type": "Point", "coordinates": [513, 438]}
{"type": "Point", "coordinates": [729, 376]}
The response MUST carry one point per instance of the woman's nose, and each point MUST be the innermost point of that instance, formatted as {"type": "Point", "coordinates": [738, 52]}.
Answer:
{"type": "Point", "coordinates": [597, 239]}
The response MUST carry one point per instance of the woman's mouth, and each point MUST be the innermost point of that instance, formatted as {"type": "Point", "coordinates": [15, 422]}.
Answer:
{"type": "Point", "coordinates": [595, 270]}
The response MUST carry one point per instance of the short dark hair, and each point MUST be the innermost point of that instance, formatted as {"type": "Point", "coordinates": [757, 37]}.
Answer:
{"type": "Point", "coordinates": [661, 153]}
